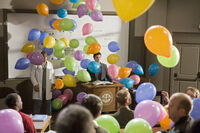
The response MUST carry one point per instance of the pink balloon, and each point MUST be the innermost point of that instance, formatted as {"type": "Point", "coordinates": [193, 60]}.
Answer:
{"type": "Point", "coordinates": [113, 70]}
{"type": "Point", "coordinates": [163, 112]}
{"type": "Point", "coordinates": [69, 94]}
{"type": "Point", "coordinates": [91, 4]}
{"type": "Point", "coordinates": [79, 55]}
{"type": "Point", "coordinates": [136, 78]}
{"type": "Point", "coordinates": [87, 29]}
{"type": "Point", "coordinates": [64, 98]}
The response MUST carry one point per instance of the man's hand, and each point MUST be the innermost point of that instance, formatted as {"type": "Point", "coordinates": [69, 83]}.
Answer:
{"type": "Point", "coordinates": [166, 96]}
{"type": "Point", "coordinates": [52, 87]}
{"type": "Point", "coordinates": [36, 88]}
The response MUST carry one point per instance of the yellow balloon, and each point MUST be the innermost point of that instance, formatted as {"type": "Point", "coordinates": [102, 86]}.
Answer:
{"type": "Point", "coordinates": [69, 80]}
{"type": "Point", "coordinates": [64, 39]}
{"type": "Point", "coordinates": [113, 58]}
{"type": "Point", "coordinates": [49, 42]}
{"type": "Point", "coordinates": [57, 2]}
{"type": "Point", "coordinates": [42, 9]}
{"type": "Point", "coordinates": [28, 47]}
{"type": "Point", "coordinates": [130, 9]}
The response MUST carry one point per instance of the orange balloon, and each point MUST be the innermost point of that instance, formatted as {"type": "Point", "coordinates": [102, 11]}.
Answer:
{"type": "Point", "coordinates": [56, 24]}
{"type": "Point", "coordinates": [42, 9]}
{"type": "Point", "coordinates": [165, 123]}
{"type": "Point", "coordinates": [57, 2]}
{"type": "Point", "coordinates": [158, 40]}
{"type": "Point", "coordinates": [124, 72]}
{"type": "Point", "coordinates": [94, 48]}
{"type": "Point", "coordinates": [59, 84]}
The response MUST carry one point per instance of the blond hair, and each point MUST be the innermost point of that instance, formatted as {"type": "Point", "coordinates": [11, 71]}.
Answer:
{"type": "Point", "coordinates": [194, 90]}
{"type": "Point", "coordinates": [122, 96]}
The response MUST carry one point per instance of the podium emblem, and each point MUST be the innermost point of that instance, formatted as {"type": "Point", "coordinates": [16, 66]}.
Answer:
{"type": "Point", "coordinates": [106, 97]}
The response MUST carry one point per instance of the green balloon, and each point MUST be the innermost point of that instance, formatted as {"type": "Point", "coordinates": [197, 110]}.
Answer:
{"type": "Point", "coordinates": [57, 104]}
{"type": "Point", "coordinates": [59, 53]}
{"type": "Point", "coordinates": [66, 24]}
{"type": "Point", "coordinates": [89, 40]}
{"type": "Point", "coordinates": [85, 48]}
{"type": "Point", "coordinates": [70, 63]}
{"type": "Point", "coordinates": [60, 45]}
{"type": "Point", "coordinates": [98, 7]}
{"type": "Point", "coordinates": [109, 123]}
{"type": "Point", "coordinates": [75, 5]}
{"type": "Point", "coordinates": [171, 61]}
{"type": "Point", "coordinates": [138, 125]}
{"type": "Point", "coordinates": [83, 76]}
{"type": "Point", "coordinates": [74, 43]}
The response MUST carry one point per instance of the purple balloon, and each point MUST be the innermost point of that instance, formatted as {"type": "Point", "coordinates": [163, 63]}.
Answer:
{"type": "Point", "coordinates": [36, 58]}
{"type": "Point", "coordinates": [84, 63]}
{"type": "Point", "coordinates": [96, 15]}
{"type": "Point", "coordinates": [132, 64]}
{"type": "Point", "coordinates": [11, 121]}
{"type": "Point", "coordinates": [56, 93]}
{"type": "Point", "coordinates": [34, 34]}
{"type": "Point", "coordinates": [79, 55]}
{"type": "Point", "coordinates": [49, 51]}
{"type": "Point", "coordinates": [80, 96]}
{"type": "Point", "coordinates": [51, 22]}
{"type": "Point", "coordinates": [113, 46]}
{"type": "Point", "coordinates": [82, 10]}
{"type": "Point", "coordinates": [66, 71]}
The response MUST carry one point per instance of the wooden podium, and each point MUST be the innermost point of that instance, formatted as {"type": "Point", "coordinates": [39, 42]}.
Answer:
{"type": "Point", "coordinates": [107, 93]}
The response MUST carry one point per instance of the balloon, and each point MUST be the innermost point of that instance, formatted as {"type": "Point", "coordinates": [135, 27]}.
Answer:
{"type": "Point", "coordinates": [74, 43]}
{"type": "Point", "coordinates": [69, 94]}
{"type": "Point", "coordinates": [109, 123]}
{"type": "Point", "coordinates": [64, 39]}
{"type": "Point", "coordinates": [124, 72]}
{"type": "Point", "coordinates": [163, 112]}
{"type": "Point", "coordinates": [76, 5]}
{"type": "Point", "coordinates": [87, 29]}
{"type": "Point", "coordinates": [138, 125]}
{"type": "Point", "coordinates": [28, 47]}
{"type": "Point", "coordinates": [43, 36]}
{"type": "Point", "coordinates": [83, 76]}
{"type": "Point", "coordinates": [63, 98]}
{"type": "Point", "coordinates": [22, 63]}
{"type": "Point", "coordinates": [70, 63]}
{"type": "Point", "coordinates": [57, 104]}
{"type": "Point", "coordinates": [158, 40]}
{"type": "Point", "coordinates": [84, 63]}
{"type": "Point", "coordinates": [75, 25]}
{"type": "Point", "coordinates": [49, 51]}
{"type": "Point", "coordinates": [94, 48]}
{"type": "Point", "coordinates": [34, 34]}
{"type": "Point", "coordinates": [49, 42]}
{"type": "Point", "coordinates": [66, 24]}
{"type": "Point", "coordinates": [51, 23]}
{"type": "Point", "coordinates": [74, 1]}
{"type": "Point", "coordinates": [42, 9]}
{"type": "Point", "coordinates": [59, 84]}
{"type": "Point", "coordinates": [132, 64]}
{"type": "Point", "coordinates": [195, 114]}
{"type": "Point", "coordinates": [113, 46]}
{"type": "Point", "coordinates": [66, 71]}
{"type": "Point", "coordinates": [113, 70]}
{"type": "Point", "coordinates": [82, 10]}
{"type": "Point", "coordinates": [36, 58]}
{"type": "Point", "coordinates": [69, 80]}
{"type": "Point", "coordinates": [79, 55]}
{"type": "Point", "coordinates": [171, 61]}
{"type": "Point", "coordinates": [113, 58]}
{"type": "Point", "coordinates": [146, 91]}
{"type": "Point", "coordinates": [91, 4]}
{"type": "Point", "coordinates": [128, 82]}
{"type": "Point", "coordinates": [56, 93]}
{"type": "Point", "coordinates": [56, 24]}
{"type": "Point", "coordinates": [94, 67]}
{"type": "Point", "coordinates": [131, 9]}
{"type": "Point", "coordinates": [96, 15]}
{"type": "Point", "coordinates": [139, 70]}
{"type": "Point", "coordinates": [147, 110]}
{"type": "Point", "coordinates": [153, 69]}
{"type": "Point", "coordinates": [57, 2]}
{"type": "Point", "coordinates": [136, 79]}
{"type": "Point", "coordinates": [11, 121]}
{"type": "Point", "coordinates": [59, 53]}
{"type": "Point", "coordinates": [59, 45]}
{"type": "Point", "coordinates": [62, 13]}
{"type": "Point", "coordinates": [80, 96]}
{"type": "Point", "coordinates": [89, 40]}
{"type": "Point", "coordinates": [85, 48]}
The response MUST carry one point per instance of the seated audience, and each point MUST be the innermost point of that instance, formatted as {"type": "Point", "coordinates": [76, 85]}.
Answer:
{"type": "Point", "coordinates": [195, 127]}
{"type": "Point", "coordinates": [125, 114]}
{"type": "Point", "coordinates": [13, 101]}
{"type": "Point", "coordinates": [94, 104]}
{"type": "Point", "coordinates": [74, 119]}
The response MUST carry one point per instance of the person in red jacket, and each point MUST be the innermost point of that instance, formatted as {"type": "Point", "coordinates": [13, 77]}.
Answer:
{"type": "Point", "coordinates": [13, 101]}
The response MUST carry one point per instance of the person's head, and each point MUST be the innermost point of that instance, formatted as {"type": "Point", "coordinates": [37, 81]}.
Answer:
{"type": "Point", "coordinates": [192, 92]}
{"type": "Point", "coordinates": [74, 119]}
{"type": "Point", "coordinates": [97, 57]}
{"type": "Point", "coordinates": [180, 105]}
{"type": "Point", "coordinates": [44, 55]}
{"type": "Point", "coordinates": [13, 101]}
{"type": "Point", "coordinates": [123, 97]}
{"type": "Point", "coordinates": [93, 103]}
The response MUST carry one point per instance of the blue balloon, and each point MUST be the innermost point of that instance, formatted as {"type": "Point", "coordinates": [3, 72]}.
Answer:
{"type": "Point", "coordinates": [146, 91]}
{"type": "Point", "coordinates": [34, 34]}
{"type": "Point", "coordinates": [94, 67]}
{"type": "Point", "coordinates": [22, 63]}
{"type": "Point", "coordinates": [51, 22]}
{"type": "Point", "coordinates": [195, 114]}
{"type": "Point", "coordinates": [62, 13]}
{"type": "Point", "coordinates": [43, 36]}
{"type": "Point", "coordinates": [74, 1]}
{"type": "Point", "coordinates": [153, 69]}
{"type": "Point", "coordinates": [84, 63]}
{"type": "Point", "coordinates": [49, 51]}
{"type": "Point", "coordinates": [66, 71]}
{"type": "Point", "coordinates": [132, 64]}
{"type": "Point", "coordinates": [128, 82]}
{"type": "Point", "coordinates": [139, 70]}
{"type": "Point", "coordinates": [75, 25]}
{"type": "Point", "coordinates": [113, 46]}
